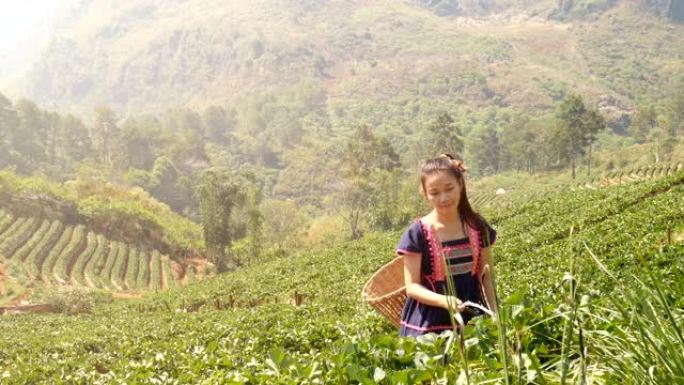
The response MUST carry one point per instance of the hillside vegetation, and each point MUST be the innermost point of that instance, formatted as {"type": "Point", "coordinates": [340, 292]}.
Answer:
{"type": "Point", "coordinates": [84, 234]}
{"type": "Point", "coordinates": [318, 112]}
{"type": "Point", "coordinates": [237, 328]}
{"type": "Point", "coordinates": [386, 61]}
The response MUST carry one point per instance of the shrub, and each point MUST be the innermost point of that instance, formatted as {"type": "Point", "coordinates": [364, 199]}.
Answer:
{"type": "Point", "coordinates": [75, 301]}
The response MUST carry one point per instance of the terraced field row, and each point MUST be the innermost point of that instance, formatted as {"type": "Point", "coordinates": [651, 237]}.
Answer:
{"type": "Point", "coordinates": [635, 174]}
{"type": "Point", "coordinates": [59, 254]}
{"type": "Point", "coordinates": [482, 200]}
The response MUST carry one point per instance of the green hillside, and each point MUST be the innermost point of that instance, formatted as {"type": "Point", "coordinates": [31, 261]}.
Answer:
{"type": "Point", "coordinates": [386, 61]}
{"type": "Point", "coordinates": [83, 234]}
{"type": "Point", "coordinates": [278, 93]}
{"type": "Point", "coordinates": [238, 328]}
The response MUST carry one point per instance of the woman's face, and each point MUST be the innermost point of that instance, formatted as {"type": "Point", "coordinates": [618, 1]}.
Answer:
{"type": "Point", "coordinates": [443, 191]}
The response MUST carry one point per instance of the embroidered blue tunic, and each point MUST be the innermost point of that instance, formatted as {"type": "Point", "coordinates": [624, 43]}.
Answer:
{"type": "Point", "coordinates": [418, 318]}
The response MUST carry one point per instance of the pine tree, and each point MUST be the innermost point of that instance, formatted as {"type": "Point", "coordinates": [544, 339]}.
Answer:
{"type": "Point", "coordinates": [570, 137]}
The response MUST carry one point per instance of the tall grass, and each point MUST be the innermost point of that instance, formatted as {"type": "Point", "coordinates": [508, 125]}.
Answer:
{"type": "Point", "coordinates": [457, 323]}
{"type": "Point", "coordinates": [501, 325]}
{"type": "Point", "coordinates": [571, 304]}
{"type": "Point", "coordinates": [640, 340]}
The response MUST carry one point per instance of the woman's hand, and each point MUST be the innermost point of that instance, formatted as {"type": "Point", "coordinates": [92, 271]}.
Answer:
{"type": "Point", "coordinates": [454, 302]}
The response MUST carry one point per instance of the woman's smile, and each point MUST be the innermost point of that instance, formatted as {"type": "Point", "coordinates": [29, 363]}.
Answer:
{"type": "Point", "coordinates": [442, 190]}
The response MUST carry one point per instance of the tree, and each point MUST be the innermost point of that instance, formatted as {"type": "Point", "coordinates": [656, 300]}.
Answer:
{"type": "Point", "coordinates": [594, 122]}
{"type": "Point", "coordinates": [659, 137]}
{"type": "Point", "coordinates": [486, 151]}
{"type": "Point", "coordinates": [218, 124]}
{"type": "Point", "coordinates": [105, 133]}
{"type": "Point", "coordinates": [519, 147]}
{"type": "Point", "coordinates": [570, 138]}
{"type": "Point", "coordinates": [285, 223]}
{"type": "Point", "coordinates": [188, 148]}
{"type": "Point", "coordinates": [28, 139]}
{"type": "Point", "coordinates": [545, 152]}
{"type": "Point", "coordinates": [219, 195]}
{"type": "Point", "coordinates": [247, 220]}
{"type": "Point", "coordinates": [311, 172]}
{"type": "Point", "coordinates": [575, 131]}
{"type": "Point", "coordinates": [443, 136]}
{"type": "Point", "coordinates": [363, 160]}
{"type": "Point", "coordinates": [674, 116]}
{"type": "Point", "coordinates": [285, 127]}
{"type": "Point", "coordinates": [9, 120]}
{"type": "Point", "coordinates": [54, 138]}
{"type": "Point", "coordinates": [137, 145]}
{"type": "Point", "coordinates": [365, 152]}
{"type": "Point", "coordinates": [392, 201]}
{"type": "Point", "coordinates": [645, 120]}
{"type": "Point", "coordinates": [229, 206]}
{"type": "Point", "coordinates": [167, 184]}
{"type": "Point", "coordinates": [77, 142]}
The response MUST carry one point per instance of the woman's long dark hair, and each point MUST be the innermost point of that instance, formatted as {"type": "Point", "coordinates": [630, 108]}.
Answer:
{"type": "Point", "coordinates": [449, 163]}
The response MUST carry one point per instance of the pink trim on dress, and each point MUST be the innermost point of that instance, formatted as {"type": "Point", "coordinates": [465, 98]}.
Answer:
{"type": "Point", "coordinates": [474, 239]}
{"type": "Point", "coordinates": [435, 249]}
{"type": "Point", "coordinates": [427, 329]}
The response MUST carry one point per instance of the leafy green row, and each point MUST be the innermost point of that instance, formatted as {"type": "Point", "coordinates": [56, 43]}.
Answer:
{"type": "Point", "coordinates": [106, 272]}
{"type": "Point", "coordinates": [98, 261]}
{"type": "Point", "coordinates": [36, 238]}
{"type": "Point", "coordinates": [48, 267]}
{"type": "Point", "coordinates": [15, 235]}
{"type": "Point", "coordinates": [80, 268]}
{"type": "Point", "coordinates": [143, 269]}
{"type": "Point", "coordinates": [117, 272]}
{"type": "Point", "coordinates": [132, 271]}
{"type": "Point", "coordinates": [38, 254]}
{"type": "Point", "coordinates": [5, 221]}
{"type": "Point", "coordinates": [155, 271]}
{"type": "Point", "coordinates": [67, 257]}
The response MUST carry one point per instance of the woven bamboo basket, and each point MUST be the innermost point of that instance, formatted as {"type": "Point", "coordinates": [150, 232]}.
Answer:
{"type": "Point", "coordinates": [385, 290]}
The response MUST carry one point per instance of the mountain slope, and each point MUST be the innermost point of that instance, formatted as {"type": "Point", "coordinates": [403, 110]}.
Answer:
{"type": "Point", "coordinates": [346, 59]}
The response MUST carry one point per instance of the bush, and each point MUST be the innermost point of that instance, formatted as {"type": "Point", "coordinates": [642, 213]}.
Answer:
{"type": "Point", "coordinates": [75, 301]}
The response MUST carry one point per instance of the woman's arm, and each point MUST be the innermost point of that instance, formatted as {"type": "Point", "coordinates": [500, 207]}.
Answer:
{"type": "Point", "coordinates": [416, 290]}
{"type": "Point", "coordinates": [487, 279]}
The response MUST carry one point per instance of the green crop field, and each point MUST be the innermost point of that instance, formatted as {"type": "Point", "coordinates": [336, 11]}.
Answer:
{"type": "Point", "coordinates": [51, 253]}
{"type": "Point", "coordinates": [590, 282]}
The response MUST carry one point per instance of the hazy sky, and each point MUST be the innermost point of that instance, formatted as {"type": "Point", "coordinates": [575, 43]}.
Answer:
{"type": "Point", "coordinates": [23, 28]}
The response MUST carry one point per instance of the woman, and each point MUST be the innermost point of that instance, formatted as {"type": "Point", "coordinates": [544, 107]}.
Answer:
{"type": "Point", "coordinates": [453, 233]}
